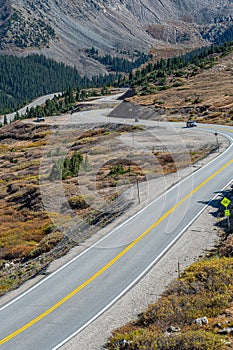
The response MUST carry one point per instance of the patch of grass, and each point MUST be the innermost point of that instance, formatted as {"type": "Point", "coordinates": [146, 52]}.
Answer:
{"type": "Point", "coordinates": [192, 340]}
{"type": "Point", "coordinates": [16, 275]}
{"type": "Point", "coordinates": [164, 87]}
{"type": "Point", "coordinates": [137, 338]}
{"type": "Point", "coordinates": [197, 100]}
{"type": "Point", "coordinates": [227, 247]}
{"type": "Point", "coordinates": [152, 339]}
{"type": "Point", "coordinates": [46, 244]}
{"type": "Point", "coordinates": [178, 84]}
{"type": "Point", "coordinates": [97, 150]}
{"type": "Point", "coordinates": [78, 202]}
{"type": "Point", "coordinates": [205, 289]}
{"type": "Point", "coordinates": [36, 144]}
{"type": "Point", "coordinates": [138, 127]}
{"type": "Point", "coordinates": [215, 115]}
{"type": "Point", "coordinates": [26, 165]}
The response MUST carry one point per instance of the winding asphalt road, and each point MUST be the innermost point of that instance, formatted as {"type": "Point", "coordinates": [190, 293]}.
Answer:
{"type": "Point", "coordinates": [37, 102]}
{"type": "Point", "coordinates": [66, 301]}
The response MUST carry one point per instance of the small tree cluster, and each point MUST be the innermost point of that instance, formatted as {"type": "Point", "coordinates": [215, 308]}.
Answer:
{"type": "Point", "coordinates": [68, 167]}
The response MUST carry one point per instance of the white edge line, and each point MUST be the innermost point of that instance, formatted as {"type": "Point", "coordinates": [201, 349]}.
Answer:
{"type": "Point", "coordinates": [111, 232]}
{"type": "Point", "coordinates": [143, 273]}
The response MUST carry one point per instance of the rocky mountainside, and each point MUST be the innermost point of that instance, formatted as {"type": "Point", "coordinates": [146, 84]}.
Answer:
{"type": "Point", "coordinates": [63, 30]}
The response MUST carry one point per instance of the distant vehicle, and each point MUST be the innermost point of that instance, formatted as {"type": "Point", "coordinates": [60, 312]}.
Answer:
{"type": "Point", "coordinates": [40, 118]}
{"type": "Point", "coordinates": [191, 124]}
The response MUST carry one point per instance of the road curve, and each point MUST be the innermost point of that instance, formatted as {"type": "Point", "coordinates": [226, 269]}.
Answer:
{"type": "Point", "coordinates": [42, 99]}
{"type": "Point", "coordinates": [37, 102]}
{"type": "Point", "coordinates": [67, 300]}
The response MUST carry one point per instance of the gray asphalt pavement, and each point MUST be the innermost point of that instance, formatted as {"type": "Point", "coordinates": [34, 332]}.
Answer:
{"type": "Point", "coordinates": [37, 102]}
{"type": "Point", "coordinates": [67, 300]}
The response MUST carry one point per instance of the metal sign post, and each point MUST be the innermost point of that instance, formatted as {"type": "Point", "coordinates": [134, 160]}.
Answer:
{"type": "Point", "coordinates": [227, 213]}
{"type": "Point", "coordinates": [225, 202]}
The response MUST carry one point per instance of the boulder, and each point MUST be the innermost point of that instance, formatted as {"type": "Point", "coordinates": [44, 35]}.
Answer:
{"type": "Point", "coordinates": [200, 321]}
{"type": "Point", "coordinates": [172, 329]}
{"type": "Point", "coordinates": [225, 331]}
{"type": "Point", "coordinates": [123, 344]}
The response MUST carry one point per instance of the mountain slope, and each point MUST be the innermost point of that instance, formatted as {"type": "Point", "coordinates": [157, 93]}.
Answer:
{"type": "Point", "coordinates": [64, 29]}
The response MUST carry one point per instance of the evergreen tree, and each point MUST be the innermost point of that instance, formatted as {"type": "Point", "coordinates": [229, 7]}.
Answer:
{"type": "Point", "coordinates": [25, 78]}
{"type": "Point", "coordinates": [68, 167]}
{"type": "Point", "coordinates": [16, 116]}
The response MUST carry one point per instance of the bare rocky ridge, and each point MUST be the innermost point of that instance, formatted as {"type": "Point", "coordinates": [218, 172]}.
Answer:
{"type": "Point", "coordinates": [62, 30]}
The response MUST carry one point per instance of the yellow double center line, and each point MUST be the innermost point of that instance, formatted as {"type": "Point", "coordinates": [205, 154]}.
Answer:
{"type": "Point", "coordinates": [110, 263]}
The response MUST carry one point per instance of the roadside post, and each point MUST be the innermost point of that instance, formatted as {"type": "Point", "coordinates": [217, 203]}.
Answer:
{"type": "Point", "coordinates": [216, 135]}
{"type": "Point", "coordinates": [138, 191]}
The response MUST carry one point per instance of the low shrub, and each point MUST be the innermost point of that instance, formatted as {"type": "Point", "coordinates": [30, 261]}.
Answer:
{"type": "Point", "coordinates": [78, 202]}
{"type": "Point", "coordinates": [17, 251]}
{"type": "Point", "coordinates": [183, 309]}
{"type": "Point", "coordinates": [227, 247]}
{"type": "Point", "coordinates": [138, 339]}
{"type": "Point", "coordinates": [178, 84]}
{"type": "Point", "coordinates": [193, 340]}
{"type": "Point", "coordinates": [152, 339]}
{"type": "Point", "coordinates": [46, 244]}
{"type": "Point", "coordinates": [204, 289]}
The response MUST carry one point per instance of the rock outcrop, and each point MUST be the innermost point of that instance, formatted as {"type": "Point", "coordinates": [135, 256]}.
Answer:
{"type": "Point", "coordinates": [63, 30]}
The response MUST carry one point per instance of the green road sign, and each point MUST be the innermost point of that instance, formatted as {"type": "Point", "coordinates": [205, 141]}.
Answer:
{"type": "Point", "coordinates": [227, 212]}
{"type": "Point", "coordinates": [225, 202]}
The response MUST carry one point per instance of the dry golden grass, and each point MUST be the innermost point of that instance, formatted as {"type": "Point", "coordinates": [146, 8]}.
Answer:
{"type": "Point", "coordinates": [22, 219]}
{"type": "Point", "coordinates": [207, 94]}
{"type": "Point", "coordinates": [27, 233]}
{"type": "Point", "coordinates": [205, 289]}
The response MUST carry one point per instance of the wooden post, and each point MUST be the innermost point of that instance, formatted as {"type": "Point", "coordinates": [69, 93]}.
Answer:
{"type": "Point", "coordinates": [179, 270]}
{"type": "Point", "coordinates": [139, 201]}
{"type": "Point", "coordinates": [216, 135]}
